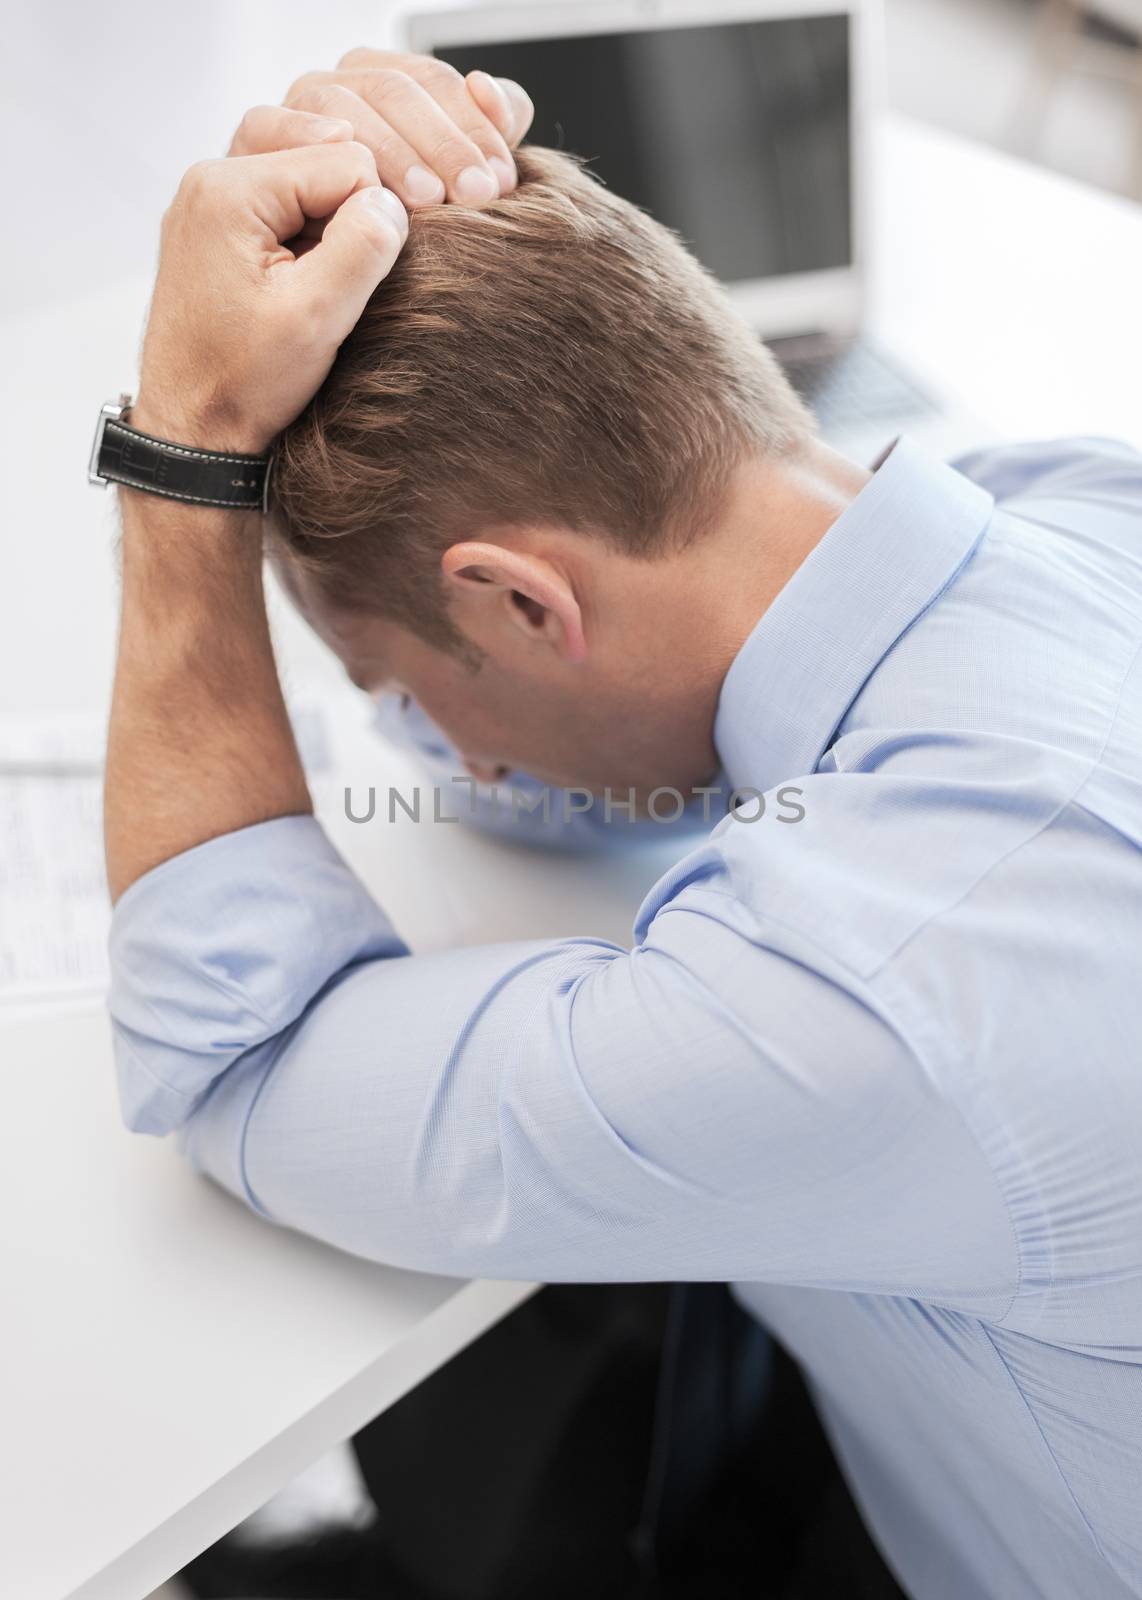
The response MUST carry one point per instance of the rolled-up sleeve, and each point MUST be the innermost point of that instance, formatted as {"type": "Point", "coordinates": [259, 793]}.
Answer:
{"type": "Point", "coordinates": [703, 1106]}
{"type": "Point", "coordinates": [220, 949]}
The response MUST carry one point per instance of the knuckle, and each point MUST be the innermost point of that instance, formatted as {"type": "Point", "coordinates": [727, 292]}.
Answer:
{"type": "Point", "coordinates": [258, 124]}
{"type": "Point", "coordinates": [302, 86]}
{"type": "Point", "coordinates": [199, 181]}
{"type": "Point", "coordinates": [323, 97]}
{"type": "Point", "coordinates": [361, 156]}
{"type": "Point", "coordinates": [489, 143]}
{"type": "Point", "coordinates": [391, 155]}
{"type": "Point", "coordinates": [388, 80]}
{"type": "Point", "coordinates": [365, 56]}
{"type": "Point", "coordinates": [388, 142]}
{"type": "Point", "coordinates": [360, 55]}
{"type": "Point", "coordinates": [352, 159]}
{"type": "Point", "coordinates": [439, 74]}
{"type": "Point", "coordinates": [449, 153]}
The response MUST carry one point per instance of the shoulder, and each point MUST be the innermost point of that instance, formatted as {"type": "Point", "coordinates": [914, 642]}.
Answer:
{"type": "Point", "coordinates": [1070, 469]}
{"type": "Point", "coordinates": [901, 829]}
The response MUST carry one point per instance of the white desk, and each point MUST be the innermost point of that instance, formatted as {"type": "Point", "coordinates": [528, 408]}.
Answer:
{"type": "Point", "coordinates": [169, 1360]}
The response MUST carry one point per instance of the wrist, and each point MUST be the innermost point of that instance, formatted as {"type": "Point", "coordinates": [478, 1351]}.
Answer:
{"type": "Point", "coordinates": [180, 545]}
{"type": "Point", "coordinates": [200, 428]}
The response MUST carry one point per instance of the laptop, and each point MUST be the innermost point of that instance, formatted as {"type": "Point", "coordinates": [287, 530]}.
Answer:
{"type": "Point", "coordinates": [742, 124]}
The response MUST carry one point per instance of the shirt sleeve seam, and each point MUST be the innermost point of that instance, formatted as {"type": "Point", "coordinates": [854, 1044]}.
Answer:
{"type": "Point", "coordinates": [1063, 1479]}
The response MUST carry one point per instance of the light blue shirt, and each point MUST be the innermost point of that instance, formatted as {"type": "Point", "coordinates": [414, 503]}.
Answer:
{"type": "Point", "coordinates": [882, 1069]}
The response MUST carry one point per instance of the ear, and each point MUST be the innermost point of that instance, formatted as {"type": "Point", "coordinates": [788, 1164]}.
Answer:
{"type": "Point", "coordinates": [527, 591]}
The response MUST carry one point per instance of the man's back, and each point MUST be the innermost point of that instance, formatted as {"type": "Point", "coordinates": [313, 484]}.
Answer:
{"type": "Point", "coordinates": [879, 1067]}
{"type": "Point", "coordinates": [999, 1446]}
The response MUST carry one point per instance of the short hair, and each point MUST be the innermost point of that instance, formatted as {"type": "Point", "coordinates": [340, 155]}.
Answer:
{"type": "Point", "coordinates": [556, 358]}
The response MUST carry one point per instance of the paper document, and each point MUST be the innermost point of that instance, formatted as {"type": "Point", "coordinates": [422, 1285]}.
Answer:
{"type": "Point", "coordinates": [54, 908]}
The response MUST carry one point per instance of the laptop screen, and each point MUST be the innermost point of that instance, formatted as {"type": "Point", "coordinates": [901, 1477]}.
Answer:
{"type": "Point", "coordinates": [736, 134]}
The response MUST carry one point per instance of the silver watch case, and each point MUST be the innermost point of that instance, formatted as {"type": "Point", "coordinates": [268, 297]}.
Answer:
{"type": "Point", "coordinates": [113, 411]}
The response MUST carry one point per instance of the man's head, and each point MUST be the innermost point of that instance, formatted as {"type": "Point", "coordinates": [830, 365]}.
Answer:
{"type": "Point", "coordinates": [509, 498]}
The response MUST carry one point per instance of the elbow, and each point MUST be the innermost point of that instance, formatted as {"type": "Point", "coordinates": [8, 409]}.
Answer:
{"type": "Point", "coordinates": [172, 1040]}
{"type": "Point", "coordinates": [147, 1103]}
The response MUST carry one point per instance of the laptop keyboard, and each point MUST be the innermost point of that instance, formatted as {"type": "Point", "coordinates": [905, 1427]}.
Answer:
{"type": "Point", "coordinates": [847, 382]}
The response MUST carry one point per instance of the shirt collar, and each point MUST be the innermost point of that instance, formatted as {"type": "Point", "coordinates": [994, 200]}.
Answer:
{"type": "Point", "coordinates": [885, 559]}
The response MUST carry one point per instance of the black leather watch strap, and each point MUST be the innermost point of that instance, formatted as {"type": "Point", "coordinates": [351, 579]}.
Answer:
{"type": "Point", "coordinates": [178, 471]}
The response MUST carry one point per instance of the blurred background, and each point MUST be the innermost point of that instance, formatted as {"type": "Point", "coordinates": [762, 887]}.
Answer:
{"type": "Point", "coordinates": [1057, 82]}
{"type": "Point", "coordinates": [107, 105]}
{"type": "Point", "coordinates": [103, 107]}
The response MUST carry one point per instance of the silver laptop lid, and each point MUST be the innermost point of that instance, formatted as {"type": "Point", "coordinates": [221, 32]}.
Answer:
{"type": "Point", "coordinates": [742, 125]}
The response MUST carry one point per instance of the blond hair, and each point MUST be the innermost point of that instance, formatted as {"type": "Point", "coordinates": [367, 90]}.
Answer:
{"type": "Point", "coordinates": [557, 358]}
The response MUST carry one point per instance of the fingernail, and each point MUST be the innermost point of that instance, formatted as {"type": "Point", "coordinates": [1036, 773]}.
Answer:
{"type": "Point", "coordinates": [505, 173]}
{"type": "Point", "coordinates": [475, 185]}
{"type": "Point", "coordinates": [423, 187]}
{"type": "Point", "coordinates": [389, 205]}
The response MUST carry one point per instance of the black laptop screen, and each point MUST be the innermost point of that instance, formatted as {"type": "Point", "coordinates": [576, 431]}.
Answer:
{"type": "Point", "coordinates": [737, 135]}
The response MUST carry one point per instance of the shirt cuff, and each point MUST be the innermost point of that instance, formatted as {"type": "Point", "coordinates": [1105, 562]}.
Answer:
{"type": "Point", "coordinates": [219, 949]}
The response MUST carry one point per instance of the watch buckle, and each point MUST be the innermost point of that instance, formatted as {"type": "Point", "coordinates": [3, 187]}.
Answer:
{"type": "Point", "coordinates": [113, 411]}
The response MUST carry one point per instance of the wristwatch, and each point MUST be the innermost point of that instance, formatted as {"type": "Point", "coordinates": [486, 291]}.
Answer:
{"type": "Point", "coordinates": [121, 454]}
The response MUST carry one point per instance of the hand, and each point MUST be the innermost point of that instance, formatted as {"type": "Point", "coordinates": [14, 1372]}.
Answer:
{"type": "Point", "coordinates": [434, 134]}
{"type": "Point", "coordinates": [242, 330]}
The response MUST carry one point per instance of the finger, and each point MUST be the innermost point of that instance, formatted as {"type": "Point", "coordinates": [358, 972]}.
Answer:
{"type": "Point", "coordinates": [399, 165]}
{"type": "Point", "coordinates": [286, 187]}
{"type": "Point", "coordinates": [440, 145]}
{"type": "Point", "coordinates": [524, 109]}
{"type": "Point", "coordinates": [365, 56]}
{"type": "Point", "coordinates": [311, 231]}
{"type": "Point", "coordinates": [266, 128]}
{"type": "Point", "coordinates": [492, 99]}
{"type": "Point", "coordinates": [451, 92]}
{"type": "Point", "coordinates": [504, 102]}
{"type": "Point", "coordinates": [363, 238]}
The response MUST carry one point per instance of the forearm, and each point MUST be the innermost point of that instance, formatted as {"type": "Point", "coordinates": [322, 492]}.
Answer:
{"type": "Point", "coordinates": [199, 742]}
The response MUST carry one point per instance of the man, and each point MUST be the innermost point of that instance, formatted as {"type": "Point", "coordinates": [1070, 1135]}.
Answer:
{"type": "Point", "coordinates": [878, 1067]}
